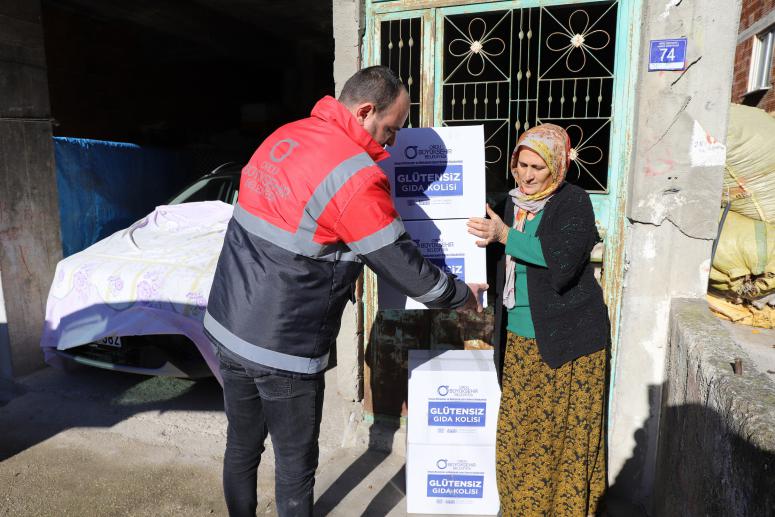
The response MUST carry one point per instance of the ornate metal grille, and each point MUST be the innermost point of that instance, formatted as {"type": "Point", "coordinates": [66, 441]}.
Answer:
{"type": "Point", "coordinates": [511, 70]}
{"type": "Point", "coordinates": [401, 51]}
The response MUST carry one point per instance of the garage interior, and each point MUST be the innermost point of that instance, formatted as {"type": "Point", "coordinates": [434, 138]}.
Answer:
{"type": "Point", "coordinates": [189, 85]}
{"type": "Point", "coordinates": [203, 81]}
{"type": "Point", "coordinates": [208, 77]}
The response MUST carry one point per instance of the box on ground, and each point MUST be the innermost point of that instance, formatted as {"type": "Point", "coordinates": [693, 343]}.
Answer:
{"type": "Point", "coordinates": [453, 397]}
{"type": "Point", "coordinates": [451, 479]}
{"type": "Point", "coordinates": [447, 244]}
{"type": "Point", "coordinates": [437, 172]}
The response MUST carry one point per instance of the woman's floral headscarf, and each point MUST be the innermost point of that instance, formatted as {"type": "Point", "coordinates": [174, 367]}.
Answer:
{"type": "Point", "coordinates": [552, 144]}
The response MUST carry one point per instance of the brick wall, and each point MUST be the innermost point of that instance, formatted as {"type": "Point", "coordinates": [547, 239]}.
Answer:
{"type": "Point", "coordinates": [752, 10]}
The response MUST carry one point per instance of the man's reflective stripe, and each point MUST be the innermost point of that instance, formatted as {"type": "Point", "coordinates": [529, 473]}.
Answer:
{"type": "Point", "coordinates": [287, 241]}
{"type": "Point", "coordinates": [302, 240]}
{"type": "Point", "coordinates": [330, 185]}
{"type": "Point", "coordinates": [264, 356]}
{"type": "Point", "coordinates": [379, 239]}
{"type": "Point", "coordinates": [436, 291]}
{"type": "Point", "coordinates": [268, 231]}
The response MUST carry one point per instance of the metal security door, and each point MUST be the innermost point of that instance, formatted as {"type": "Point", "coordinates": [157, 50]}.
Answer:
{"type": "Point", "coordinates": [403, 41]}
{"type": "Point", "coordinates": [513, 69]}
{"type": "Point", "coordinates": [510, 66]}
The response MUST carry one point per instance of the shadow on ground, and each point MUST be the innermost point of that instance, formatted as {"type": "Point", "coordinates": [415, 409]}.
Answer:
{"type": "Point", "coordinates": [365, 487]}
{"type": "Point", "coordinates": [705, 465]}
{"type": "Point", "coordinates": [90, 397]}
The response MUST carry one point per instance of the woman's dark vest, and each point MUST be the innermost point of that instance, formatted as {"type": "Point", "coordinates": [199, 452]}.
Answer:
{"type": "Point", "coordinates": [566, 301]}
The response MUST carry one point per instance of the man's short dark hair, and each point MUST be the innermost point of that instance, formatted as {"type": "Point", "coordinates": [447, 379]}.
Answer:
{"type": "Point", "coordinates": [376, 84]}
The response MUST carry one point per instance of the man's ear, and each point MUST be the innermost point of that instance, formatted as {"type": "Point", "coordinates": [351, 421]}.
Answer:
{"type": "Point", "coordinates": [362, 111]}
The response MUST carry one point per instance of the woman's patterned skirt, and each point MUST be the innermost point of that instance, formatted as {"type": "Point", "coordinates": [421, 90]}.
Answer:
{"type": "Point", "coordinates": [551, 458]}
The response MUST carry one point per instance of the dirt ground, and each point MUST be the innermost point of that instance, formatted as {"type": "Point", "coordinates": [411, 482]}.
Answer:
{"type": "Point", "coordinates": [97, 443]}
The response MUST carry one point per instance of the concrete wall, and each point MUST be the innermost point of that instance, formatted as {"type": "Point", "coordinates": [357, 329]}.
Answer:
{"type": "Point", "coordinates": [29, 216]}
{"type": "Point", "coordinates": [672, 212]}
{"type": "Point", "coordinates": [348, 28]}
{"type": "Point", "coordinates": [755, 16]}
{"type": "Point", "coordinates": [717, 437]}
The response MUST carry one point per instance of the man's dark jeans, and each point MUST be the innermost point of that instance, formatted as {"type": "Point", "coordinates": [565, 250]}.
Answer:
{"type": "Point", "coordinates": [289, 409]}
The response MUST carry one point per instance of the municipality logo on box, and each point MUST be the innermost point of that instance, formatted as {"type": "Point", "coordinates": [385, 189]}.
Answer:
{"type": "Point", "coordinates": [457, 414]}
{"type": "Point", "coordinates": [429, 180]}
{"type": "Point", "coordinates": [454, 265]}
{"type": "Point", "coordinates": [460, 391]}
{"type": "Point", "coordinates": [457, 406]}
{"type": "Point", "coordinates": [432, 247]}
{"type": "Point", "coordinates": [433, 152]}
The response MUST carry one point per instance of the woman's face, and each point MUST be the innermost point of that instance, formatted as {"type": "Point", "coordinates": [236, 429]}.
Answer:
{"type": "Point", "coordinates": [531, 172]}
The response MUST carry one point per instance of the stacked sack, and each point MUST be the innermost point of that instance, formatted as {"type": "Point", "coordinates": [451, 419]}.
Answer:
{"type": "Point", "coordinates": [742, 277]}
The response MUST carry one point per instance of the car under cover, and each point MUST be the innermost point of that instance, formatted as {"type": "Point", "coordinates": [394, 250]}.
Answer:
{"type": "Point", "coordinates": [149, 279]}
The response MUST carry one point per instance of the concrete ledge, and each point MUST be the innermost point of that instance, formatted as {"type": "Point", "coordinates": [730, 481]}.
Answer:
{"type": "Point", "coordinates": [717, 430]}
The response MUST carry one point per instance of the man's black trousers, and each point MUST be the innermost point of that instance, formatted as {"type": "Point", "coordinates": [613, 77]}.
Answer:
{"type": "Point", "coordinates": [289, 409]}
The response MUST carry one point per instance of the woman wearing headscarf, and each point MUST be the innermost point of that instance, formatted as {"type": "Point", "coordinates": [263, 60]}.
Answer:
{"type": "Point", "coordinates": [551, 333]}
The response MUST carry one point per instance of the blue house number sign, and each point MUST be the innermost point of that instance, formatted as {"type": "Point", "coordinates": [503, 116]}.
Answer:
{"type": "Point", "coordinates": [667, 54]}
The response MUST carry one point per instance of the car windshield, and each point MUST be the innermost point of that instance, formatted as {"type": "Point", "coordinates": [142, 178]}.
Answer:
{"type": "Point", "coordinates": [219, 188]}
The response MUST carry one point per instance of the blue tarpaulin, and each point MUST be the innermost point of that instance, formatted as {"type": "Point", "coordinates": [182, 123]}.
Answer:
{"type": "Point", "coordinates": [106, 186]}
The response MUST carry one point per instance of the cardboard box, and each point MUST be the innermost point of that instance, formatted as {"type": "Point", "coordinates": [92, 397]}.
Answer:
{"type": "Point", "coordinates": [438, 172]}
{"type": "Point", "coordinates": [451, 480]}
{"type": "Point", "coordinates": [447, 244]}
{"type": "Point", "coordinates": [453, 397]}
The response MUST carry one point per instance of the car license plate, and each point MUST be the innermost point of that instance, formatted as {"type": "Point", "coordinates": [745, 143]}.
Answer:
{"type": "Point", "coordinates": [114, 341]}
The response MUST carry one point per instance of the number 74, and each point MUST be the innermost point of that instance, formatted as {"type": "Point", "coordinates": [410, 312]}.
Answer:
{"type": "Point", "coordinates": [669, 53]}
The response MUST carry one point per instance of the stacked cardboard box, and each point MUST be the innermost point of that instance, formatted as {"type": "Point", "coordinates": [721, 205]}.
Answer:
{"type": "Point", "coordinates": [438, 182]}
{"type": "Point", "coordinates": [453, 412]}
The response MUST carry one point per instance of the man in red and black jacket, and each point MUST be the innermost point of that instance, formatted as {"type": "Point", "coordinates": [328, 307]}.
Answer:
{"type": "Point", "coordinates": [313, 208]}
